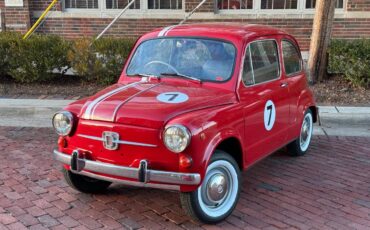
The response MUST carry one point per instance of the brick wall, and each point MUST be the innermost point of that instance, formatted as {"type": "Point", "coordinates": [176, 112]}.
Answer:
{"type": "Point", "coordinates": [300, 28]}
{"type": "Point", "coordinates": [358, 5]}
{"type": "Point", "coordinates": [17, 18]}
{"type": "Point", "coordinates": [41, 5]}
{"type": "Point", "coordinates": [208, 6]}
{"type": "Point", "coordinates": [348, 28]}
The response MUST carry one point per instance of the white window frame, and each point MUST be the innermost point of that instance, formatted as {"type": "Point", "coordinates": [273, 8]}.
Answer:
{"type": "Point", "coordinates": [103, 10]}
{"type": "Point", "coordinates": [301, 9]}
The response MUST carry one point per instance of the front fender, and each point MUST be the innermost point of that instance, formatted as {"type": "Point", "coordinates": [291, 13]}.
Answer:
{"type": "Point", "coordinates": [215, 142]}
{"type": "Point", "coordinates": [209, 128]}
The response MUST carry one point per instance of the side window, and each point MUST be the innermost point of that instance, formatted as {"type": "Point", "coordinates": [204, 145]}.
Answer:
{"type": "Point", "coordinates": [261, 62]}
{"type": "Point", "coordinates": [247, 68]}
{"type": "Point", "coordinates": [292, 59]}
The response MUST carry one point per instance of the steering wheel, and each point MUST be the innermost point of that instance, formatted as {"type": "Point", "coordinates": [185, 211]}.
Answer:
{"type": "Point", "coordinates": [162, 63]}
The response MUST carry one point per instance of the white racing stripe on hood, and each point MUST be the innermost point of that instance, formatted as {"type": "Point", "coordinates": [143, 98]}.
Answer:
{"type": "Point", "coordinates": [91, 107]}
{"type": "Point", "coordinates": [129, 99]}
{"type": "Point", "coordinates": [165, 31]}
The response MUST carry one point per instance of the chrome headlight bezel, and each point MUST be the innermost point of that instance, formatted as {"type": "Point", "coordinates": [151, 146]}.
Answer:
{"type": "Point", "coordinates": [67, 129]}
{"type": "Point", "coordinates": [185, 136]}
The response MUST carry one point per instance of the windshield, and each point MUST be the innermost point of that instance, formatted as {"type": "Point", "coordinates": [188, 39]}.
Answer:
{"type": "Point", "coordinates": [204, 59]}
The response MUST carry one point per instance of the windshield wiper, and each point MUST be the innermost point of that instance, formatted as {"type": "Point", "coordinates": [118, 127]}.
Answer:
{"type": "Point", "coordinates": [144, 75]}
{"type": "Point", "coordinates": [181, 75]}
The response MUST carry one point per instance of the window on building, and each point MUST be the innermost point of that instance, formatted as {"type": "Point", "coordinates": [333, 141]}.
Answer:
{"type": "Point", "coordinates": [82, 4]}
{"type": "Point", "coordinates": [120, 4]}
{"type": "Point", "coordinates": [279, 4]}
{"type": "Point", "coordinates": [310, 4]}
{"type": "Point", "coordinates": [261, 63]}
{"type": "Point", "coordinates": [165, 4]}
{"type": "Point", "coordinates": [234, 4]}
{"type": "Point", "coordinates": [292, 59]}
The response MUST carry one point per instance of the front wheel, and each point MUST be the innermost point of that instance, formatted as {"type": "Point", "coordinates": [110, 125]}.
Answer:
{"type": "Point", "coordinates": [300, 146]}
{"type": "Point", "coordinates": [219, 192]}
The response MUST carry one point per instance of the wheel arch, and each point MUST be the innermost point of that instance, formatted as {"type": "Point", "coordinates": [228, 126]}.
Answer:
{"type": "Point", "coordinates": [233, 147]}
{"type": "Point", "coordinates": [231, 144]}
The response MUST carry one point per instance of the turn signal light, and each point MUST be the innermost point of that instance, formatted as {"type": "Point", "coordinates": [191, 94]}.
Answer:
{"type": "Point", "coordinates": [62, 142]}
{"type": "Point", "coordinates": [185, 161]}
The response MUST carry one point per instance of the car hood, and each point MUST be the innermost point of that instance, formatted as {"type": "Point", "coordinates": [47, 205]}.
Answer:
{"type": "Point", "coordinates": [151, 104]}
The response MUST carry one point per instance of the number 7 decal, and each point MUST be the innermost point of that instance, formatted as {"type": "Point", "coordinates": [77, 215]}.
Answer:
{"type": "Point", "coordinates": [172, 97]}
{"type": "Point", "coordinates": [269, 115]}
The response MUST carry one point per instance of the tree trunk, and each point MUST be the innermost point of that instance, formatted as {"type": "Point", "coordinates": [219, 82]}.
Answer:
{"type": "Point", "coordinates": [320, 38]}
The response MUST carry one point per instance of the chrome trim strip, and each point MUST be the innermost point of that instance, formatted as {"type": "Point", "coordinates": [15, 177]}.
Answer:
{"type": "Point", "coordinates": [91, 107]}
{"type": "Point", "coordinates": [165, 30]}
{"type": "Point", "coordinates": [129, 172]}
{"type": "Point", "coordinates": [119, 142]}
{"type": "Point", "coordinates": [129, 99]}
{"type": "Point", "coordinates": [132, 183]}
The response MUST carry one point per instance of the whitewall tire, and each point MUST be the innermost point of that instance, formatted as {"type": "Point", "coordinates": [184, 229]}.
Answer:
{"type": "Point", "coordinates": [300, 146]}
{"type": "Point", "coordinates": [219, 192]}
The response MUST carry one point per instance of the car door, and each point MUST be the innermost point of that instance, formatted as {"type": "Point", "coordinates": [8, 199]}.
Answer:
{"type": "Point", "coordinates": [294, 78]}
{"type": "Point", "coordinates": [264, 97]}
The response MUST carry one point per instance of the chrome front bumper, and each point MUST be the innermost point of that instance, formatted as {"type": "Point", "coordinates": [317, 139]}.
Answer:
{"type": "Point", "coordinates": [143, 175]}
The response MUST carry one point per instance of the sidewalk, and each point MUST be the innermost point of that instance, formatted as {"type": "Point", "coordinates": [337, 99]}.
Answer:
{"type": "Point", "coordinates": [335, 120]}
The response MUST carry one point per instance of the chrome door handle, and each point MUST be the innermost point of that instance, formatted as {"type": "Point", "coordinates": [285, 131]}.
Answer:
{"type": "Point", "coordinates": [284, 84]}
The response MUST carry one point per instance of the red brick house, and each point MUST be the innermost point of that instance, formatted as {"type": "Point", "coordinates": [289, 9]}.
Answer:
{"type": "Point", "coordinates": [75, 18]}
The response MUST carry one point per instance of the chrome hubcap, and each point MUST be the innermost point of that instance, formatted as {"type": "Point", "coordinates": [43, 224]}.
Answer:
{"type": "Point", "coordinates": [306, 132]}
{"type": "Point", "coordinates": [217, 187]}
{"type": "Point", "coordinates": [219, 190]}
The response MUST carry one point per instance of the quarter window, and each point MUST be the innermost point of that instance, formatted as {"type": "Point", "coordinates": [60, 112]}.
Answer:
{"type": "Point", "coordinates": [261, 62]}
{"type": "Point", "coordinates": [292, 59]}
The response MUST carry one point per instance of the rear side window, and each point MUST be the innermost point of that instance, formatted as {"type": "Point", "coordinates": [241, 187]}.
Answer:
{"type": "Point", "coordinates": [261, 63]}
{"type": "Point", "coordinates": [292, 59]}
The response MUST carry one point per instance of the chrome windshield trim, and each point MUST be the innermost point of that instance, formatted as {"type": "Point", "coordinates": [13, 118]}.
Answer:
{"type": "Point", "coordinates": [119, 142]}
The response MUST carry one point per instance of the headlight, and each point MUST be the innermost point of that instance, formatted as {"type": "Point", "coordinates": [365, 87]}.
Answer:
{"type": "Point", "coordinates": [63, 123]}
{"type": "Point", "coordinates": [176, 138]}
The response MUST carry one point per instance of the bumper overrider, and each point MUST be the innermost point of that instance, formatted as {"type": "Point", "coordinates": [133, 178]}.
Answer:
{"type": "Point", "coordinates": [144, 176]}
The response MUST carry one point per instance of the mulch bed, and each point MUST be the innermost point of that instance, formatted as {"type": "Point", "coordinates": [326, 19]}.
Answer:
{"type": "Point", "coordinates": [66, 87]}
{"type": "Point", "coordinates": [333, 91]}
{"type": "Point", "coordinates": [338, 91]}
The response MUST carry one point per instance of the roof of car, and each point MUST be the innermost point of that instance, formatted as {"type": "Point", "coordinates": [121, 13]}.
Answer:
{"type": "Point", "coordinates": [215, 30]}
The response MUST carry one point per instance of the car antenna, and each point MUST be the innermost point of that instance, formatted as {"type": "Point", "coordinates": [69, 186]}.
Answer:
{"type": "Point", "coordinates": [115, 19]}
{"type": "Point", "coordinates": [192, 12]}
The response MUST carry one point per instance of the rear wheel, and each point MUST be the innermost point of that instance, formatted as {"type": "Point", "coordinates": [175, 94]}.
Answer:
{"type": "Point", "coordinates": [300, 146]}
{"type": "Point", "coordinates": [85, 184]}
{"type": "Point", "coordinates": [216, 198]}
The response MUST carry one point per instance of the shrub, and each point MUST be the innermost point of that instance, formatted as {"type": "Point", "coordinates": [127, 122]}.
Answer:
{"type": "Point", "coordinates": [33, 60]}
{"type": "Point", "coordinates": [352, 59]}
{"type": "Point", "coordinates": [7, 41]}
{"type": "Point", "coordinates": [100, 60]}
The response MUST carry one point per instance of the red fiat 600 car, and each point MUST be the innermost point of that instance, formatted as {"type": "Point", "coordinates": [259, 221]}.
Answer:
{"type": "Point", "coordinates": [195, 105]}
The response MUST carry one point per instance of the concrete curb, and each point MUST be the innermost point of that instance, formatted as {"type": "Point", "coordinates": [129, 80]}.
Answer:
{"type": "Point", "coordinates": [335, 120]}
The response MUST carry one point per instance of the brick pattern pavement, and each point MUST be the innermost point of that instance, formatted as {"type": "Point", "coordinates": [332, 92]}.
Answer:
{"type": "Point", "coordinates": [327, 189]}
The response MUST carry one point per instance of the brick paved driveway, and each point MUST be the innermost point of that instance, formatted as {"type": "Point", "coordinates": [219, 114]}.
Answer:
{"type": "Point", "coordinates": [327, 189]}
